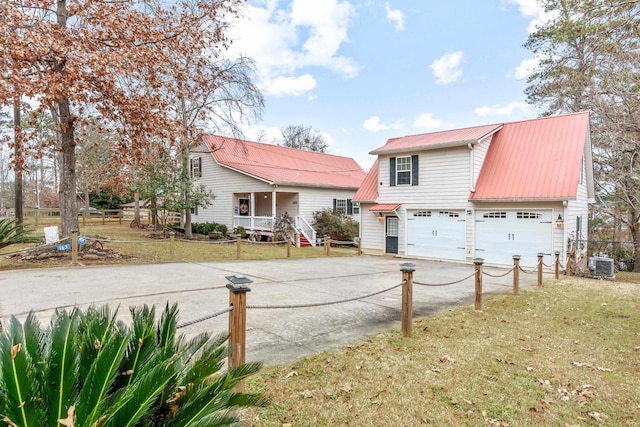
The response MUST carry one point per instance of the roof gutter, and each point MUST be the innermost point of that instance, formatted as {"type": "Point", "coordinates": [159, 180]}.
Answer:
{"type": "Point", "coordinates": [472, 179]}
{"type": "Point", "coordinates": [415, 148]}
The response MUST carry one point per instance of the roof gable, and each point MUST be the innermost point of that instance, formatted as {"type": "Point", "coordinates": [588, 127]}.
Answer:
{"type": "Point", "coordinates": [433, 140]}
{"type": "Point", "coordinates": [535, 159]}
{"type": "Point", "coordinates": [283, 165]}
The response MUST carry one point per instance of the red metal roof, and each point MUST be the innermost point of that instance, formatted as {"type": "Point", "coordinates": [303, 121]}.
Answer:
{"type": "Point", "coordinates": [535, 159]}
{"type": "Point", "coordinates": [368, 191]}
{"type": "Point", "coordinates": [283, 165]}
{"type": "Point", "coordinates": [437, 139]}
{"type": "Point", "coordinates": [384, 207]}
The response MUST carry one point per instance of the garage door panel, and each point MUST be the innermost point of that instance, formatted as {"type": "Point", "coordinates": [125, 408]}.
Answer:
{"type": "Point", "coordinates": [436, 234]}
{"type": "Point", "coordinates": [502, 234]}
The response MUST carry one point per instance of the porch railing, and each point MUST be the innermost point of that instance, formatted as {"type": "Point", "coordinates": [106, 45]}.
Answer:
{"type": "Point", "coordinates": [264, 223]}
{"type": "Point", "coordinates": [306, 229]}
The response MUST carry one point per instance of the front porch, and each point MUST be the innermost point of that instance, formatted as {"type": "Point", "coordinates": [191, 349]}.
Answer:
{"type": "Point", "coordinates": [256, 212]}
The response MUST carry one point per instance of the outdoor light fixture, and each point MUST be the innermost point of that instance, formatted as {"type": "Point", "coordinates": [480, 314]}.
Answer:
{"type": "Point", "coordinates": [239, 282]}
{"type": "Point", "coordinates": [380, 216]}
{"type": "Point", "coordinates": [265, 195]}
{"type": "Point", "coordinates": [559, 221]}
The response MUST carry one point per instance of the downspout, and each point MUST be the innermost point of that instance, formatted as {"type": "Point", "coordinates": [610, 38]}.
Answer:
{"type": "Point", "coordinates": [472, 183]}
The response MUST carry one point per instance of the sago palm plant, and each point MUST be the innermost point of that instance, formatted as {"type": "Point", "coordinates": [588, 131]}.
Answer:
{"type": "Point", "coordinates": [89, 369]}
{"type": "Point", "coordinates": [11, 232]}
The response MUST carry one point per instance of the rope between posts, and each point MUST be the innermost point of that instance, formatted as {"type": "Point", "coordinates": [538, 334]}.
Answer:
{"type": "Point", "coordinates": [499, 275]}
{"type": "Point", "coordinates": [445, 284]}
{"type": "Point", "coordinates": [548, 266]}
{"type": "Point", "coordinates": [528, 272]}
{"type": "Point", "coordinates": [319, 304]}
{"type": "Point", "coordinates": [202, 319]}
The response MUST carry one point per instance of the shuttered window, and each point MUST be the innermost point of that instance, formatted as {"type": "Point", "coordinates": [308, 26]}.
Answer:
{"type": "Point", "coordinates": [195, 166]}
{"type": "Point", "coordinates": [403, 170]}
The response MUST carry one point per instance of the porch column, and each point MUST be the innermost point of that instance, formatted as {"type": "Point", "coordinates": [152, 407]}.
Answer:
{"type": "Point", "coordinates": [252, 209]}
{"type": "Point", "coordinates": [273, 204]}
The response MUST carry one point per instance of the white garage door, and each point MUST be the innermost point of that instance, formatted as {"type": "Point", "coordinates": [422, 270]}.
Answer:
{"type": "Point", "coordinates": [502, 234]}
{"type": "Point", "coordinates": [436, 234]}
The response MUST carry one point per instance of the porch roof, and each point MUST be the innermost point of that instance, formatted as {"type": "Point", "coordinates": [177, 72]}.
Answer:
{"type": "Point", "coordinates": [384, 207]}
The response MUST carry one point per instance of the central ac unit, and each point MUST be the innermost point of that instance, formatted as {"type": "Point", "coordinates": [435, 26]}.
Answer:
{"type": "Point", "coordinates": [601, 267]}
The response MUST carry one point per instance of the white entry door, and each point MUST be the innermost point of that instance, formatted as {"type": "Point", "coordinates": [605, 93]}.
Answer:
{"type": "Point", "coordinates": [436, 234]}
{"type": "Point", "coordinates": [500, 234]}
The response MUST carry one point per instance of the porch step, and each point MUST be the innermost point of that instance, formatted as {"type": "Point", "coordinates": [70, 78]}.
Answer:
{"type": "Point", "coordinates": [304, 242]}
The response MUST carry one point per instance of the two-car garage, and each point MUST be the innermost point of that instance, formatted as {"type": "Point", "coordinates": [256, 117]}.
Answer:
{"type": "Point", "coordinates": [499, 234]}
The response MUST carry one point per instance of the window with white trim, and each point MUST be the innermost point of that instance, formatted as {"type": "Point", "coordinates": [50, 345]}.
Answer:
{"type": "Point", "coordinates": [446, 214]}
{"type": "Point", "coordinates": [341, 206]}
{"type": "Point", "coordinates": [356, 208]}
{"type": "Point", "coordinates": [422, 213]}
{"type": "Point", "coordinates": [196, 167]}
{"type": "Point", "coordinates": [494, 215]}
{"type": "Point", "coordinates": [528, 215]}
{"type": "Point", "coordinates": [403, 170]}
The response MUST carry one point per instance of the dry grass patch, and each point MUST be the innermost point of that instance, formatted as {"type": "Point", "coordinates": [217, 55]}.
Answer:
{"type": "Point", "coordinates": [567, 354]}
{"type": "Point", "coordinates": [138, 246]}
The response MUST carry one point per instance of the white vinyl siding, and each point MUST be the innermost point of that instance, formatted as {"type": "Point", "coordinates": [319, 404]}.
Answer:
{"type": "Point", "coordinates": [444, 181]}
{"type": "Point", "coordinates": [371, 230]}
{"type": "Point", "coordinates": [479, 154]}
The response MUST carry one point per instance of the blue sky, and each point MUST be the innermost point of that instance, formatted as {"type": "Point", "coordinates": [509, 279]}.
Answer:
{"type": "Point", "coordinates": [363, 71]}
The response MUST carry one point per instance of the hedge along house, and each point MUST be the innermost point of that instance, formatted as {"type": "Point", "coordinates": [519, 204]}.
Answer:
{"type": "Point", "coordinates": [490, 192]}
{"type": "Point", "coordinates": [255, 182]}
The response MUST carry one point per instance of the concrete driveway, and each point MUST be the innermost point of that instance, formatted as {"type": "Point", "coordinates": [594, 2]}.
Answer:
{"type": "Point", "coordinates": [273, 335]}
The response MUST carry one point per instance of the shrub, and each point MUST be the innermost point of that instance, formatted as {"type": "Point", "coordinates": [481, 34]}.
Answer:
{"type": "Point", "coordinates": [240, 230]}
{"type": "Point", "coordinates": [11, 233]}
{"type": "Point", "coordinates": [283, 226]}
{"type": "Point", "coordinates": [221, 229]}
{"type": "Point", "coordinates": [332, 223]}
{"type": "Point", "coordinates": [89, 369]}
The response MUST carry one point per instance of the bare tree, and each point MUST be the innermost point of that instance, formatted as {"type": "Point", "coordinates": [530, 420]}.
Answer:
{"type": "Point", "coordinates": [304, 138]}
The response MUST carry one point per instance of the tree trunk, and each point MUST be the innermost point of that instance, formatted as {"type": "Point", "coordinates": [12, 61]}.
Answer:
{"type": "Point", "coordinates": [18, 162]}
{"type": "Point", "coordinates": [136, 209]}
{"type": "Point", "coordinates": [68, 203]}
{"type": "Point", "coordinates": [66, 130]}
{"type": "Point", "coordinates": [635, 235]}
{"type": "Point", "coordinates": [185, 178]}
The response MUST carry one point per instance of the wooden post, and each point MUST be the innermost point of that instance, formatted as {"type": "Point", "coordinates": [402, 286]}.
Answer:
{"type": "Point", "coordinates": [172, 239]}
{"type": "Point", "coordinates": [557, 265]}
{"type": "Point", "coordinates": [237, 326]}
{"type": "Point", "coordinates": [567, 272]}
{"type": "Point", "coordinates": [407, 300]}
{"type": "Point", "coordinates": [238, 247]}
{"type": "Point", "coordinates": [359, 250]}
{"type": "Point", "coordinates": [288, 247]}
{"type": "Point", "coordinates": [327, 245]}
{"type": "Point", "coordinates": [516, 274]}
{"type": "Point", "coordinates": [120, 215]}
{"type": "Point", "coordinates": [540, 269]}
{"type": "Point", "coordinates": [478, 264]}
{"type": "Point", "coordinates": [74, 247]}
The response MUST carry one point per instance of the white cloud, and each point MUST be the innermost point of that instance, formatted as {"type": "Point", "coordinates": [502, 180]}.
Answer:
{"type": "Point", "coordinates": [293, 86]}
{"type": "Point", "coordinates": [283, 42]}
{"type": "Point", "coordinates": [396, 16]}
{"type": "Point", "coordinates": [373, 124]}
{"type": "Point", "coordinates": [446, 69]}
{"type": "Point", "coordinates": [533, 9]}
{"type": "Point", "coordinates": [260, 133]}
{"type": "Point", "coordinates": [427, 121]}
{"type": "Point", "coordinates": [526, 67]}
{"type": "Point", "coordinates": [523, 108]}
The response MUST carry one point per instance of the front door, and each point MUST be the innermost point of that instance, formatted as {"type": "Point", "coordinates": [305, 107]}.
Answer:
{"type": "Point", "coordinates": [391, 233]}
